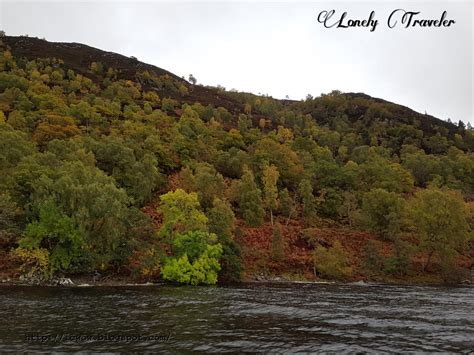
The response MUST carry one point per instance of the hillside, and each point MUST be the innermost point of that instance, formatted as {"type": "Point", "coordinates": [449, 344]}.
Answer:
{"type": "Point", "coordinates": [78, 57]}
{"type": "Point", "coordinates": [115, 166]}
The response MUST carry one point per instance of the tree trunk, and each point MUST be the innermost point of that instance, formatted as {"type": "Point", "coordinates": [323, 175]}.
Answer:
{"type": "Point", "coordinates": [289, 216]}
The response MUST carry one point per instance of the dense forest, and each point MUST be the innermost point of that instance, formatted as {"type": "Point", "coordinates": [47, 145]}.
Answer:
{"type": "Point", "coordinates": [112, 166]}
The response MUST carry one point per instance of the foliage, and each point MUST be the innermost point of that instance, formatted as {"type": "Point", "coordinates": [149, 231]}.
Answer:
{"type": "Point", "coordinates": [399, 263]}
{"type": "Point", "coordinates": [9, 215]}
{"type": "Point", "coordinates": [56, 233]}
{"type": "Point", "coordinates": [196, 259]}
{"type": "Point", "coordinates": [270, 190]}
{"type": "Point", "coordinates": [221, 219]}
{"type": "Point", "coordinates": [207, 182]}
{"type": "Point", "coordinates": [305, 191]}
{"type": "Point", "coordinates": [381, 211]}
{"type": "Point", "coordinates": [373, 262]}
{"type": "Point", "coordinates": [440, 219]}
{"type": "Point", "coordinates": [250, 200]}
{"type": "Point", "coordinates": [33, 261]}
{"type": "Point", "coordinates": [222, 223]}
{"type": "Point", "coordinates": [332, 262]}
{"type": "Point", "coordinates": [97, 143]}
{"type": "Point", "coordinates": [286, 206]}
{"type": "Point", "coordinates": [231, 264]}
{"type": "Point", "coordinates": [181, 213]}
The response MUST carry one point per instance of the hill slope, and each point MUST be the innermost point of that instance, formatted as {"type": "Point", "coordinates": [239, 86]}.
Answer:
{"type": "Point", "coordinates": [109, 164]}
{"type": "Point", "coordinates": [78, 57]}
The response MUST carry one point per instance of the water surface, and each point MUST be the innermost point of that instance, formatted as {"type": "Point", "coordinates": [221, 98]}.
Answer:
{"type": "Point", "coordinates": [257, 318]}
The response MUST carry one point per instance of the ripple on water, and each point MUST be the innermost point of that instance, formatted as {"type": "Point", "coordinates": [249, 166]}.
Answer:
{"type": "Point", "coordinates": [263, 318]}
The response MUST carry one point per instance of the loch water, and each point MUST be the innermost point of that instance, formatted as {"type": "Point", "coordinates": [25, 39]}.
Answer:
{"type": "Point", "coordinates": [268, 318]}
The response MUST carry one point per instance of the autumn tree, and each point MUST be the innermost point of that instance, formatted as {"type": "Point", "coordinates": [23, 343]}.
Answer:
{"type": "Point", "coordinates": [181, 213]}
{"type": "Point", "coordinates": [206, 181]}
{"type": "Point", "coordinates": [55, 127]}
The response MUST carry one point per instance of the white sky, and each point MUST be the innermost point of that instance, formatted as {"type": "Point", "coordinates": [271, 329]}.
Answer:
{"type": "Point", "coordinates": [276, 48]}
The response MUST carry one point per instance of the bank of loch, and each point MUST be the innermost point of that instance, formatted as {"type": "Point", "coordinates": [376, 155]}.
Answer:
{"type": "Point", "coordinates": [113, 169]}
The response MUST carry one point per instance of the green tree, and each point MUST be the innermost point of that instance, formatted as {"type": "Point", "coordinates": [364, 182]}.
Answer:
{"type": "Point", "coordinates": [305, 191]}
{"type": "Point", "coordinates": [221, 219]}
{"type": "Point", "coordinates": [57, 233]}
{"type": "Point", "coordinates": [222, 223]}
{"type": "Point", "coordinates": [282, 156]}
{"type": "Point", "coordinates": [270, 190]}
{"type": "Point", "coordinates": [207, 182]}
{"type": "Point", "coordinates": [98, 207]}
{"type": "Point", "coordinates": [181, 213]}
{"type": "Point", "coordinates": [287, 205]}
{"type": "Point", "coordinates": [11, 217]}
{"type": "Point", "coordinates": [192, 79]}
{"type": "Point", "coordinates": [399, 263]}
{"type": "Point", "coordinates": [349, 207]}
{"type": "Point", "coordinates": [440, 219]}
{"type": "Point", "coordinates": [250, 200]}
{"type": "Point", "coordinates": [195, 260]}
{"type": "Point", "coordinates": [381, 212]}
{"type": "Point", "coordinates": [14, 145]}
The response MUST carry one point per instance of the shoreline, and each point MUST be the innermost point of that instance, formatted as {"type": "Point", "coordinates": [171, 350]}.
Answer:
{"type": "Point", "coordinates": [81, 283]}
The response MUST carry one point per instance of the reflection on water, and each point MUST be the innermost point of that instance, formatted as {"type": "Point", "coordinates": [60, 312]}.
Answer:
{"type": "Point", "coordinates": [263, 318]}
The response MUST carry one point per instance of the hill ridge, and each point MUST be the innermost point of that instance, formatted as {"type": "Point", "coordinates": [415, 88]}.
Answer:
{"type": "Point", "coordinates": [32, 48]}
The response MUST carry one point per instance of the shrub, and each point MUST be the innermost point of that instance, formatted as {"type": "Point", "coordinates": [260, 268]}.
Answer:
{"type": "Point", "coordinates": [373, 263]}
{"type": "Point", "coordinates": [399, 264]}
{"type": "Point", "coordinates": [33, 261]}
{"type": "Point", "coordinates": [332, 262]}
{"type": "Point", "coordinates": [168, 104]}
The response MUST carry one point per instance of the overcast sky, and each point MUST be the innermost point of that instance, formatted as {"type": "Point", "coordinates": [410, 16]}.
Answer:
{"type": "Point", "coordinates": [276, 48]}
